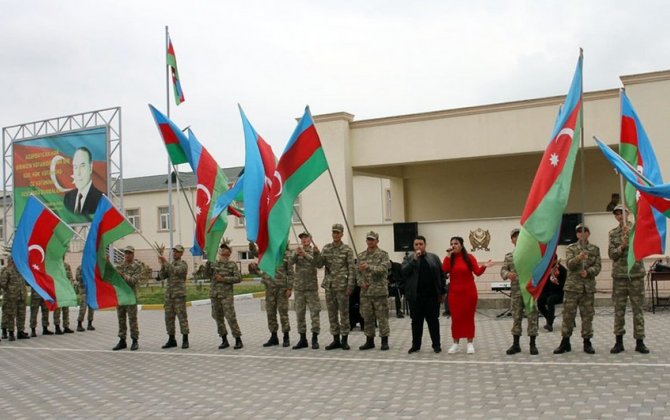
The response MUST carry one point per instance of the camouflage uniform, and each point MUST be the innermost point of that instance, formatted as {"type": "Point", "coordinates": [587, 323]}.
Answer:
{"type": "Point", "coordinates": [66, 310]}
{"type": "Point", "coordinates": [626, 285]}
{"type": "Point", "coordinates": [132, 274]}
{"type": "Point", "coordinates": [306, 287]}
{"type": "Point", "coordinates": [175, 295]}
{"type": "Point", "coordinates": [14, 303]}
{"type": "Point", "coordinates": [517, 301]}
{"type": "Point", "coordinates": [83, 307]}
{"type": "Point", "coordinates": [275, 295]}
{"type": "Point", "coordinates": [578, 291]}
{"type": "Point", "coordinates": [339, 277]}
{"type": "Point", "coordinates": [374, 291]}
{"type": "Point", "coordinates": [38, 304]}
{"type": "Point", "coordinates": [222, 296]}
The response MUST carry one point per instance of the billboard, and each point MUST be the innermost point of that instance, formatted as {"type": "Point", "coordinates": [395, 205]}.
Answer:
{"type": "Point", "coordinates": [67, 171]}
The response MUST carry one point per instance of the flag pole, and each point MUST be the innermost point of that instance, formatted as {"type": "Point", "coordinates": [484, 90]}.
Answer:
{"type": "Point", "coordinates": [581, 135]}
{"type": "Point", "coordinates": [169, 164]}
{"type": "Point", "coordinates": [621, 183]}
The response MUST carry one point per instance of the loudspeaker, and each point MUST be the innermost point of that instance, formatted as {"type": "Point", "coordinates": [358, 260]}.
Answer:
{"type": "Point", "coordinates": [403, 236]}
{"type": "Point", "coordinates": [569, 224]}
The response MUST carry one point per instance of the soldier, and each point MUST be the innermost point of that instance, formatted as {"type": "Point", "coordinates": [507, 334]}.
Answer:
{"type": "Point", "coordinates": [38, 304]}
{"type": "Point", "coordinates": [14, 303]}
{"type": "Point", "coordinates": [131, 271]}
{"type": "Point", "coordinates": [175, 296]}
{"type": "Point", "coordinates": [373, 267]}
{"type": "Point", "coordinates": [508, 272]}
{"type": "Point", "coordinates": [277, 292]}
{"type": "Point", "coordinates": [224, 274]}
{"type": "Point", "coordinates": [64, 311]}
{"type": "Point", "coordinates": [339, 281]}
{"type": "Point", "coordinates": [306, 289]}
{"type": "Point", "coordinates": [83, 307]}
{"type": "Point", "coordinates": [626, 284]}
{"type": "Point", "coordinates": [583, 263]}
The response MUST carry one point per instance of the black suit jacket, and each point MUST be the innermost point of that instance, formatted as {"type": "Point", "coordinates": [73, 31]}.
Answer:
{"type": "Point", "coordinates": [90, 204]}
{"type": "Point", "coordinates": [410, 275]}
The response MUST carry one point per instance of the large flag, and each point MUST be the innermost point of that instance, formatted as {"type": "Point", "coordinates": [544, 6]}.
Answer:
{"type": "Point", "coordinates": [549, 193]}
{"type": "Point", "coordinates": [172, 64]}
{"type": "Point", "coordinates": [175, 140]}
{"type": "Point", "coordinates": [40, 243]}
{"type": "Point", "coordinates": [648, 235]}
{"type": "Point", "coordinates": [104, 285]}
{"type": "Point", "coordinates": [301, 163]}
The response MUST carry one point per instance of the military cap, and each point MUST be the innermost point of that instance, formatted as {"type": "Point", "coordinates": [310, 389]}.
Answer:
{"type": "Point", "coordinates": [372, 235]}
{"type": "Point", "coordinates": [178, 248]}
{"type": "Point", "coordinates": [338, 228]}
{"type": "Point", "coordinates": [305, 235]}
{"type": "Point", "coordinates": [514, 231]}
{"type": "Point", "coordinates": [129, 248]}
{"type": "Point", "coordinates": [618, 207]}
{"type": "Point", "coordinates": [582, 226]}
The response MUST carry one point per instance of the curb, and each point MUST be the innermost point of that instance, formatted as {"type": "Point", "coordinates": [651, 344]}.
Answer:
{"type": "Point", "coordinates": [201, 302]}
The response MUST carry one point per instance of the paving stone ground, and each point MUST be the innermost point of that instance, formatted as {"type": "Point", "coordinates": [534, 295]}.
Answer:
{"type": "Point", "coordinates": [78, 376]}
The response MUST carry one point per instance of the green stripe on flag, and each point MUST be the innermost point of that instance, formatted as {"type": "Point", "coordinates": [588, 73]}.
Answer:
{"type": "Point", "coordinates": [55, 267]}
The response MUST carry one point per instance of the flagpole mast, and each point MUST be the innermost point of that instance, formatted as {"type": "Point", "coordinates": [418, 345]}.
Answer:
{"type": "Point", "coordinates": [621, 183]}
{"type": "Point", "coordinates": [169, 164]}
{"type": "Point", "coordinates": [581, 135]}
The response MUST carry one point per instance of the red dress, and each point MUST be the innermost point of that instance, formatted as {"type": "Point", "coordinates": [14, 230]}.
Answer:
{"type": "Point", "coordinates": [462, 294]}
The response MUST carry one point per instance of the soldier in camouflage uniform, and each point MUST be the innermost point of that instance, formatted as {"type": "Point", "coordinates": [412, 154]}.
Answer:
{"type": "Point", "coordinates": [14, 304]}
{"type": "Point", "coordinates": [339, 282]}
{"type": "Point", "coordinates": [373, 267]}
{"type": "Point", "coordinates": [626, 284]}
{"type": "Point", "coordinates": [224, 274]}
{"type": "Point", "coordinates": [38, 304]}
{"type": "Point", "coordinates": [175, 296]}
{"type": "Point", "coordinates": [306, 287]}
{"type": "Point", "coordinates": [64, 312]}
{"type": "Point", "coordinates": [83, 307]}
{"type": "Point", "coordinates": [508, 272]}
{"type": "Point", "coordinates": [583, 263]}
{"type": "Point", "coordinates": [131, 271]}
{"type": "Point", "coordinates": [277, 292]}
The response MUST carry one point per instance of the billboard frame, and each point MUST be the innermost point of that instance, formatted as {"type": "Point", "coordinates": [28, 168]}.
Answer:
{"type": "Point", "coordinates": [109, 118]}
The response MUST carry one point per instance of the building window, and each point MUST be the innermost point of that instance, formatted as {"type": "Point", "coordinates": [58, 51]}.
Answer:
{"type": "Point", "coordinates": [133, 216]}
{"type": "Point", "coordinates": [164, 219]}
{"type": "Point", "coordinates": [2, 228]}
{"type": "Point", "coordinates": [239, 222]}
{"type": "Point", "coordinates": [387, 204]}
{"type": "Point", "coordinates": [297, 211]}
{"type": "Point", "coordinates": [244, 256]}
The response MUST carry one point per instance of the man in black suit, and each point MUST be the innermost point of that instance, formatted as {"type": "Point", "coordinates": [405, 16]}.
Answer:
{"type": "Point", "coordinates": [84, 198]}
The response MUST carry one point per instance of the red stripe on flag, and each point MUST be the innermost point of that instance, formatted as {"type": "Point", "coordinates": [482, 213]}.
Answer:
{"type": "Point", "coordinates": [105, 293]}
{"type": "Point", "coordinates": [111, 219]}
{"type": "Point", "coordinates": [303, 148]}
{"type": "Point", "coordinates": [628, 131]}
{"type": "Point", "coordinates": [169, 137]}
{"type": "Point", "coordinates": [45, 224]}
{"type": "Point", "coordinates": [206, 175]}
{"type": "Point", "coordinates": [647, 240]}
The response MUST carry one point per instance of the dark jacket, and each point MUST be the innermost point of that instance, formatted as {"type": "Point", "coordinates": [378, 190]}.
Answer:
{"type": "Point", "coordinates": [90, 204]}
{"type": "Point", "coordinates": [410, 275]}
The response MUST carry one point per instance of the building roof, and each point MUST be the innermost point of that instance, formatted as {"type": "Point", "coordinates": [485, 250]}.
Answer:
{"type": "Point", "coordinates": [160, 182]}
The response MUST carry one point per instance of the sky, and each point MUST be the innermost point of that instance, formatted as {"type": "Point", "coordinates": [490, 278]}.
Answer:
{"type": "Point", "coordinates": [374, 58]}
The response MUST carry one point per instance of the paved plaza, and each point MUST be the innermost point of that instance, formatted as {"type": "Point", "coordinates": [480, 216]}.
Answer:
{"type": "Point", "coordinates": [77, 375]}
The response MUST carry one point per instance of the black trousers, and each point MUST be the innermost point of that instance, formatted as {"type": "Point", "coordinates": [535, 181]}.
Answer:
{"type": "Point", "coordinates": [425, 308]}
{"type": "Point", "coordinates": [546, 304]}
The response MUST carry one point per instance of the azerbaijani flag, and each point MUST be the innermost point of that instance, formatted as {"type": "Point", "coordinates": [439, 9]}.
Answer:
{"type": "Point", "coordinates": [40, 243]}
{"type": "Point", "coordinates": [104, 285]}
{"type": "Point", "coordinates": [302, 162]}
{"type": "Point", "coordinates": [172, 64]}
{"type": "Point", "coordinates": [549, 193]}
{"type": "Point", "coordinates": [648, 235]}
{"type": "Point", "coordinates": [175, 140]}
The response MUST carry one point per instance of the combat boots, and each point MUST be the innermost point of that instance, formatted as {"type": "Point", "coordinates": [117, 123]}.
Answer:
{"type": "Point", "coordinates": [515, 348]}
{"type": "Point", "coordinates": [286, 342]}
{"type": "Point", "coordinates": [345, 343]}
{"type": "Point", "coordinates": [45, 331]}
{"type": "Point", "coordinates": [134, 345]}
{"type": "Point", "coordinates": [302, 343]}
{"type": "Point", "coordinates": [11, 336]}
{"type": "Point", "coordinates": [369, 344]}
{"type": "Point", "coordinates": [4, 333]}
{"type": "Point", "coordinates": [385, 343]}
{"type": "Point", "coordinates": [120, 345]}
{"type": "Point", "coordinates": [33, 333]}
{"type": "Point", "coordinates": [80, 327]}
{"type": "Point", "coordinates": [238, 343]}
{"type": "Point", "coordinates": [618, 345]}
{"type": "Point", "coordinates": [90, 326]}
{"type": "Point", "coordinates": [273, 341]}
{"type": "Point", "coordinates": [640, 347]}
{"type": "Point", "coordinates": [184, 341]}
{"type": "Point", "coordinates": [564, 347]}
{"type": "Point", "coordinates": [224, 342]}
{"type": "Point", "coordinates": [21, 335]}
{"type": "Point", "coordinates": [172, 342]}
{"type": "Point", "coordinates": [315, 341]}
{"type": "Point", "coordinates": [67, 330]}
{"type": "Point", "coordinates": [59, 331]}
{"type": "Point", "coordinates": [533, 346]}
{"type": "Point", "coordinates": [335, 343]}
{"type": "Point", "coordinates": [588, 347]}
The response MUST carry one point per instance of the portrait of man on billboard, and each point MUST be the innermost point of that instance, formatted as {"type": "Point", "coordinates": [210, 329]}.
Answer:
{"type": "Point", "coordinates": [83, 199]}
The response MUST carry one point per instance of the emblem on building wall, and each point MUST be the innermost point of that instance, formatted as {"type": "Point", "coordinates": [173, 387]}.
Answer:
{"type": "Point", "coordinates": [480, 239]}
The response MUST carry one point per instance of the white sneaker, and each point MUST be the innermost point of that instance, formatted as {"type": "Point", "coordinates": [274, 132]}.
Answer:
{"type": "Point", "coordinates": [471, 348]}
{"type": "Point", "coordinates": [453, 349]}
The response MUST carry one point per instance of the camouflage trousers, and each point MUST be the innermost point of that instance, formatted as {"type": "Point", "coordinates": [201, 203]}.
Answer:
{"type": "Point", "coordinates": [276, 301]}
{"type": "Point", "coordinates": [518, 311]}
{"type": "Point", "coordinates": [65, 315]}
{"type": "Point", "coordinates": [303, 299]}
{"type": "Point", "coordinates": [337, 303]}
{"type": "Point", "coordinates": [37, 304]}
{"type": "Point", "coordinates": [14, 313]}
{"type": "Point", "coordinates": [586, 303]}
{"type": "Point", "coordinates": [3, 323]}
{"type": "Point", "coordinates": [176, 307]}
{"type": "Point", "coordinates": [375, 308]}
{"type": "Point", "coordinates": [622, 290]}
{"type": "Point", "coordinates": [223, 308]}
{"type": "Point", "coordinates": [129, 312]}
{"type": "Point", "coordinates": [83, 308]}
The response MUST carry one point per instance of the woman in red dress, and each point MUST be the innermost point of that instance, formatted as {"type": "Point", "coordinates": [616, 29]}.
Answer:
{"type": "Point", "coordinates": [462, 292]}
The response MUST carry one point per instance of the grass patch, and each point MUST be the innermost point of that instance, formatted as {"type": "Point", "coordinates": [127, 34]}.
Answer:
{"type": "Point", "coordinates": [152, 295]}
